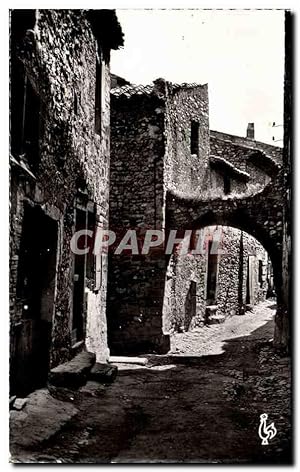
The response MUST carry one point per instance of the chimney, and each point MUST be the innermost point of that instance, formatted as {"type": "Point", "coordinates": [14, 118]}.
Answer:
{"type": "Point", "coordinates": [250, 131]}
{"type": "Point", "coordinates": [160, 85]}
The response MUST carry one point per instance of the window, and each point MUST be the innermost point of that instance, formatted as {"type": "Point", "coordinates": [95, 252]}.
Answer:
{"type": "Point", "coordinates": [25, 115]}
{"type": "Point", "coordinates": [260, 273]}
{"type": "Point", "coordinates": [98, 97]}
{"type": "Point", "coordinates": [91, 223]}
{"type": "Point", "coordinates": [75, 103]}
{"type": "Point", "coordinates": [195, 137]}
{"type": "Point", "coordinates": [24, 100]}
{"type": "Point", "coordinates": [31, 123]}
{"type": "Point", "coordinates": [227, 184]}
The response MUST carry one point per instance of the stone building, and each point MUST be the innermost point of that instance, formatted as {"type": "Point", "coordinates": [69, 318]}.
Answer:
{"type": "Point", "coordinates": [163, 150]}
{"type": "Point", "coordinates": [210, 287]}
{"type": "Point", "coordinates": [59, 183]}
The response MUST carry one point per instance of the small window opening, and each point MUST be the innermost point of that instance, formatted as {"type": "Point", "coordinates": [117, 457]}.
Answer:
{"type": "Point", "coordinates": [260, 273]}
{"type": "Point", "coordinates": [75, 103]}
{"type": "Point", "coordinates": [227, 184]}
{"type": "Point", "coordinates": [195, 137]}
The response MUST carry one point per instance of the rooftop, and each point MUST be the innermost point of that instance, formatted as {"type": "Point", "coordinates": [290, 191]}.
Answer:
{"type": "Point", "coordinates": [242, 140]}
{"type": "Point", "coordinates": [157, 87]}
{"type": "Point", "coordinates": [129, 90]}
{"type": "Point", "coordinates": [106, 28]}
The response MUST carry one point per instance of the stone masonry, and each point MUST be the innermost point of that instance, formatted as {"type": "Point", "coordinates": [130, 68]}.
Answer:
{"type": "Point", "coordinates": [83, 157]}
{"type": "Point", "coordinates": [233, 290]}
{"type": "Point", "coordinates": [169, 171]}
{"type": "Point", "coordinates": [62, 57]}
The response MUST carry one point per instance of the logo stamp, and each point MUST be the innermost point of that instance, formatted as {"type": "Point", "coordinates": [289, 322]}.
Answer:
{"type": "Point", "coordinates": [266, 432]}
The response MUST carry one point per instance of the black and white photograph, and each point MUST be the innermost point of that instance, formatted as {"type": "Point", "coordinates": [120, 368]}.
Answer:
{"type": "Point", "coordinates": [150, 235]}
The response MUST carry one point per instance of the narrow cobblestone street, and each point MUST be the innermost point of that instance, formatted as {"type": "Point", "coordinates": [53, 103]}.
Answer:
{"type": "Point", "coordinates": [150, 236]}
{"type": "Point", "coordinates": [202, 407]}
{"type": "Point", "coordinates": [210, 339]}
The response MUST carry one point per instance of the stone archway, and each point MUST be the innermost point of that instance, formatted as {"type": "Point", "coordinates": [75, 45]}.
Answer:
{"type": "Point", "coordinates": [260, 215]}
{"type": "Point", "coordinates": [138, 328]}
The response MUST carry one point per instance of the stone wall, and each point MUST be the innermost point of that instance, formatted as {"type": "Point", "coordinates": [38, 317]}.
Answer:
{"type": "Point", "coordinates": [136, 202]}
{"type": "Point", "coordinates": [242, 146]}
{"type": "Point", "coordinates": [186, 172]}
{"type": "Point", "coordinates": [259, 160]}
{"type": "Point", "coordinates": [59, 55]}
{"type": "Point", "coordinates": [259, 215]}
{"type": "Point", "coordinates": [283, 320]}
{"type": "Point", "coordinates": [151, 153]}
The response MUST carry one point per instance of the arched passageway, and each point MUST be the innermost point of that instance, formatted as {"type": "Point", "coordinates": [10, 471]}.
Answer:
{"type": "Point", "coordinates": [259, 215]}
{"type": "Point", "coordinates": [225, 272]}
{"type": "Point", "coordinates": [135, 325]}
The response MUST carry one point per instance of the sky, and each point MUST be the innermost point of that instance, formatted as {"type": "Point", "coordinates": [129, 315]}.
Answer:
{"type": "Point", "coordinates": [239, 53]}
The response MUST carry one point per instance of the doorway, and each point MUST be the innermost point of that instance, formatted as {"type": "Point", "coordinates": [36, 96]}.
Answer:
{"type": "Point", "coordinates": [190, 305]}
{"type": "Point", "coordinates": [211, 279]}
{"type": "Point", "coordinates": [35, 294]}
{"type": "Point", "coordinates": [79, 282]}
{"type": "Point", "coordinates": [250, 280]}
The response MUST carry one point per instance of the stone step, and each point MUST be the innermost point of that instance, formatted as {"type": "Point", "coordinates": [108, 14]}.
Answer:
{"type": "Point", "coordinates": [128, 360]}
{"type": "Point", "coordinates": [74, 373]}
{"type": "Point", "coordinates": [212, 317]}
{"type": "Point", "coordinates": [12, 400]}
{"type": "Point", "coordinates": [249, 307]}
{"type": "Point", "coordinates": [216, 319]}
{"type": "Point", "coordinates": [103, 373]}
{"type": "Point", "coordinates": [210, 309]}
{"type": "Point", "coordinates": [42, 417]}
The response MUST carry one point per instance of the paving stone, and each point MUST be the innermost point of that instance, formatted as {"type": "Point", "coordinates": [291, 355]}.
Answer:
{"type": "Point", "coordinates": [93, 388]}
{"type": "Point", "coordinates": [103, 373]}
{"type": "Point", "coordinates": [74, 373]}
{"type": "Point", "coordinates": [42, 417]}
